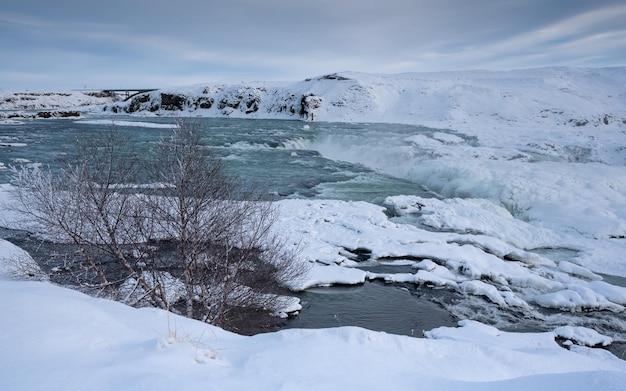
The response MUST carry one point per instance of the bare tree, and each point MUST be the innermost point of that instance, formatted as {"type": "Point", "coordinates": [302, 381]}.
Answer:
{"type": "Point", "coordinates": [196, 243]}
{"type": "Point", "coordinates": [228, 254]}
{"type": "Point", "coordinates": [86, 202]}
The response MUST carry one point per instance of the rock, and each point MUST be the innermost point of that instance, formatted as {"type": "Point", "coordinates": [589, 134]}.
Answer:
{"type": "Point", "coordinates": [172, 101]}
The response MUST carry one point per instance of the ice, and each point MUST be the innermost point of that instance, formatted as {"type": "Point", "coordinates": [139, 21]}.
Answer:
{"type": "Point", "coordinates": [616, 294]}
{"type": "Point", "coordinates": [329, 275]}
{"type": "Point", "coordinates": [577, 270]}
{"type": "Point", "coordinates": [140, 124]}
{"type": "Point", "coordinates": [583, 336]}
{"type": "Point", "coordinates": [577, 298]}
{"type": "Point", "coordinates": [479, 216]}
{"type": "Point", "coordinates": [480, 288]}
{"type": "Point", "coordinates": [435, 279]}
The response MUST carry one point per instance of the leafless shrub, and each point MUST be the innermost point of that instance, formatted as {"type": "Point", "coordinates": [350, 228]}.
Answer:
{"type": "Point", "coordinates": [197, 243]}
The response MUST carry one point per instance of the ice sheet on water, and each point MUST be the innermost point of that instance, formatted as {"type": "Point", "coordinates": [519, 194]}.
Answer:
{"type": "Point", "coordinates": [139, 124]}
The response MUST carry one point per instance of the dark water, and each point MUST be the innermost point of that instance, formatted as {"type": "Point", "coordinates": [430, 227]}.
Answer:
{"type": "Point", "coordinates": [373, 305]}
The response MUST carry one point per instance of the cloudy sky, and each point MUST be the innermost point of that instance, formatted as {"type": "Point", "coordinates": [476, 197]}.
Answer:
{"type": "Point", "coordinates": [68, 44]}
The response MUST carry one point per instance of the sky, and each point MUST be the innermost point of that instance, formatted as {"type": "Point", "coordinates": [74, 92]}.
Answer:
{"type": "Point", "coordinates": [65, 44]}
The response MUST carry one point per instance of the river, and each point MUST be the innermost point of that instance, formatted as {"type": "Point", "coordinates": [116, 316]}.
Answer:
{"type": "Point", "coordinates": [286, 159]}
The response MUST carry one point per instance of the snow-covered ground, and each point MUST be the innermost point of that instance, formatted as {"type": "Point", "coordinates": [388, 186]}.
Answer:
{"type": "Point", "coordinates": [535, 167]}
{"type": "Point", "coordinates": [51, 100]}
{"type": "Point", "coordinates": [55, 338]}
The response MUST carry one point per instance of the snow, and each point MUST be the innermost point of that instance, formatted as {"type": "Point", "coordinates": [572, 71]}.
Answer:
{"type": "Point", "coordinates": [522, 162]}
{"type": "Point", "coordinates": [141, 124]}
{"type": "Point", "coordinates": [577, 298]}
{"type": "Point", "coordinates": [58, 338]}
{"type": "Point", "coordinates": [329, 275]}
{"type": "Point", "coordinates": [583, 336]}
{"type": "Point", "coordinates": [477, 216]}
{"type": "Point", "coordinates": [39, 100]}
{"type": "Point", "coordinates": [15, 262]}
{"type": "Point", "coordinates": [616, 294]}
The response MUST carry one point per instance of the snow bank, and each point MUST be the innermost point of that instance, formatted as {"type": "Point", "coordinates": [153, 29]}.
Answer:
{"type": "Point", "coordinates": [17, 263]}
{"type": "Point", "coordinates": [57, 338]}
{"type": "Point", "coordinates": [583, 336]}
{"type": "Point", "coordinates": [36, 100]}
{"type": "Point", "coordinates": [113, 122]}
{"type": "Point", "coordinates": [577, 298]}
{"type": "Point", "coordinates": [328, 275]}
{"type": "Point", "coordinates": [477, 216]}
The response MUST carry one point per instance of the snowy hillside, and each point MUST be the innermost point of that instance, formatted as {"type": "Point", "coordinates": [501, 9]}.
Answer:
{"type": "Point", "coordinates": [38, 100]}
{"type": "Point", "coordinates": [460, 100]}
{"type": "Point", "coordinates": [573, 111]}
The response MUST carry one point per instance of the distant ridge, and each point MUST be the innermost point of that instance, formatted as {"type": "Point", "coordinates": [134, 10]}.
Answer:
{"type": "Point", "coordinates": [463, 100]}
{"type": "Point", "coordinates": [555, 96]}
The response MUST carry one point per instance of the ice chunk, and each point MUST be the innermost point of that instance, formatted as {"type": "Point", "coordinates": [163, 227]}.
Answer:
{"type": "Point", "coordinates": [474, 216]}
{"type": "Point", "coordinates": [326, 275]}
{"type": "Point", "coordinates": [577, 270]}
{"type": "Point", "coordinates": [426, 277]}
{"type": "Point", "coordinates": [577, 298]}
{"type": "Point", "coordinates": [583, 336]}
{"type": "Point", "coordinates": [480, 288]}
{"type": "Point", "coordinates": [616, 294]}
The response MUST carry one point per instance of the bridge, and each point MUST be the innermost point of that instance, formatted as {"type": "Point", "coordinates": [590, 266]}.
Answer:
{"type": "Point", "coordinates": [125, 93]}
{"type": "Point", "coordinates": [128, 92]}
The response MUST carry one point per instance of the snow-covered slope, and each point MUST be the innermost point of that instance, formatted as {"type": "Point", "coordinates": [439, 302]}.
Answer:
{"type": "Point", "coordinates": [575, 111]}
{"type": "Point", "coordinates": [38, 100]}
{"type": "Point", "coordinates": [549, 96]}
{"type": "Point", "coordinates": [55, 338]}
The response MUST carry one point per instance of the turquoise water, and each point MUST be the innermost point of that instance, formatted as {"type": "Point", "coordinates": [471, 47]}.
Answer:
{"type": "Point", "coordinates": [276, 156]}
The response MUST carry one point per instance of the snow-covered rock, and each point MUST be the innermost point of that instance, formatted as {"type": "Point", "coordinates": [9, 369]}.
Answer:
{"type": "Point", "coordinates": [17, 263]}
{"type": "Point", "coordinates": [51, 100]}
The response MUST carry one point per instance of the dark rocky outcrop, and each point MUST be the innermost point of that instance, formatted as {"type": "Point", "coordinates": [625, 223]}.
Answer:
{"type": "Point", "coordinates": [247, 100]}
{"type": "Point", "coordinates": [58, 114]}
{"type": "Point", "coordinates": [330, 76]}
{"type": "Point", "coordinates": [205, 102]}
{"type": "Point", "coordinates": [173, 101]}
{"type": "Point", "coordinates": [41, 114]}
{"type": "Point", "coordinates": [225, 101]}
{"type": "Point", "coordinates": [308, 104]}
{"type": "Point", "coordinates": [136, 103]}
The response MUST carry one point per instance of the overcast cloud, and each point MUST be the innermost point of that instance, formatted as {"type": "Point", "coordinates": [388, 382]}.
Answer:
{"type": "Point", "coordinates": [131, 44]}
